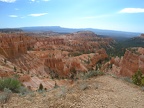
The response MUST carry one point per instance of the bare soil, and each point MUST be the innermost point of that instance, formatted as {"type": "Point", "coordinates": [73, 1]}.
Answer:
{"type": "Point", "coordinates": [98, 92]}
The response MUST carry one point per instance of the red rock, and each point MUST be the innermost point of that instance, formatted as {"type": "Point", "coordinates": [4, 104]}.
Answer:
{"type": "Point", "coordinates": [99, 56]}
{"type": "Point", "coordinates": [25, 78]}
{"type": "Point", "coordinates": [130, 63]}
{"type": "Point", "coordinates": [14, 44]}
{"type": "Point", "coordinates": [6, 74]}
{"type": "Point", "coordinates": [36, 56]}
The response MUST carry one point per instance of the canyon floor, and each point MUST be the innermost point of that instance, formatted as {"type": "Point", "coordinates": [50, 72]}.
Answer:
{"type": "Point", "coordinates": [97, 92]}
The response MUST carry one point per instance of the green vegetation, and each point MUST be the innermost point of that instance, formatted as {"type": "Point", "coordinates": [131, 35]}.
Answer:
{"type": "Point", "coordinates": [62, 92]}
{"type": "Point", "coordinates": [10, 83]}
{"type": "Point", "coordinates": [83, 86]}
{"type": "Point", "coordinates": [117, 50]}
{"type": "Point", "coordinates": [56, 86]}
{"type": "Point", "coordinates": [15, 69]}
{"type": "Point", "coordinates": [5, 61]}
{"type": "Point", "coordinates": [40, 87]}
{"type": "Point", "coordinates": [16, 76]}
{"type": "Point", "coordinates": [92, 74]}
{"type": "Point", "coordinates": [73, 54]}
{"type": "Point", "coordinates": [73, 73]}
{"type": "Point", "coordinates": [53, 74]}
{"type": "Point", "coordinates": [5, 96]}
{"type": "Point", "coordinates": [133, 42]}
{"type": "Point", "coordinates": [134, 50]}
{"type": "Point", "coordinates": [138, 78]}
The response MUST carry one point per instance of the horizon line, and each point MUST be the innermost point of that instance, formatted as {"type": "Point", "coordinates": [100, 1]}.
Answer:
{"type": "Point", "coordinates": [70, 28]}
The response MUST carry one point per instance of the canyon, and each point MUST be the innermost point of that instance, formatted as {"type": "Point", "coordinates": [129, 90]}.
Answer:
{"type": "Point", "coordinates": [38, 58]}
{"type": "Point", "coordinates": [80, 69]}
{"type": "Point", "coordinates": [50, 58]}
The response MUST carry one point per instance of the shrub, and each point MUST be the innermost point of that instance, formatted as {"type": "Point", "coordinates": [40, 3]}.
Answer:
{"type": "Point", "coordinates": [56, 86]}
{"type": "Point", "coordinates": [40, 87]}
{"type": "Point", "coordinates": [100, 73]}
{"type": "Point", "coordinates": [142, 88]}
{"type": "Point", "coordinates": [15, 69]}
{"type": "Point", "coordinates": [16, 76]}
{"type": "Point", "coordinates": [138, 79]}
{"type": "Point", "coordinates": [142, 81]}
{"type": "Point", "coordinates": [23, 90]}
{"type": "Point", "coordinates": [127, 79]}
{"type": "Point", "coordinates": [5, 61]}
{"type": "Point", "coordinates": [5, 96]}
{"type": "Point", "coordinates": [32, 94]}
{"type": "Point", "coordinates": [92, 74]}
{"type": "Point", "coordinates": [62, 92]}
{"type": "Point", "coordinates": [83, 86]}
{"type": "Point", "coordinates": [10, 83]}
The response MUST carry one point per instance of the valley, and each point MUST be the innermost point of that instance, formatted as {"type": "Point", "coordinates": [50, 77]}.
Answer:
{"type": "Point", "coordinates": [53, 59]}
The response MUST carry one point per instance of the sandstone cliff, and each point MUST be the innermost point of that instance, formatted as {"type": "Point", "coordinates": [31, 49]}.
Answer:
{"type": "Point", "coordinates": [35, 58]}
{"type": "Point", "coordinates": [15, 44]}
{"type": "Point", "coordinates": [132, 60]}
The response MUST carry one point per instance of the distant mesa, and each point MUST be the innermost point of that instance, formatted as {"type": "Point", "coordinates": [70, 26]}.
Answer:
{"type": "Point", "coordinates": [10, 30]}
{"type": "Point", "coordinates": [111, 33]}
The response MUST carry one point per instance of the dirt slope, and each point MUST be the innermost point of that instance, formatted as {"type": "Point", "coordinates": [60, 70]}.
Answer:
{"type": "Point", "coordinates": [98, 92]}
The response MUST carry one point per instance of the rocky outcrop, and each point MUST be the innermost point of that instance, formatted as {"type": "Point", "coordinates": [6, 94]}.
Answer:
{"type": "Point", "coordinates": [25, 78]}
{"type": "Point", "coordinates": [6, 74]}
{"type": "Point", "coordinates": [98, 57]}
{"type": "Point", "coordinates": [65, 67]}
{"type": "Point", "coordinates": [35, 58]}
{"type": "Point", "coordinates": [129, 63]}
{"type": "Point", "coordinates": [15, 44]}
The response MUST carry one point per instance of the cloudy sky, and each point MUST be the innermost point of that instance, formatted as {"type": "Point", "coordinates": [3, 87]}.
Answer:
{"type": "Point", "coordinates": [122, 15]}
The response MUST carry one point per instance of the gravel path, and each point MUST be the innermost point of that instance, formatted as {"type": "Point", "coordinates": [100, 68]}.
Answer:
{"type": "Point", "coordinates": [113, 93]}
{"type": "Point", "coordinates": [99, 92]}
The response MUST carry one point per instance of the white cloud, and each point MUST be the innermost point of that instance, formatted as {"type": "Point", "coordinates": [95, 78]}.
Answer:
{"type": "Point", "coordinates": [37, 15]}
{"type": "Point", "coordinates": [8, 1]}
{"type": "Point", "coordinates": [39, 0]}
{"type": "Point", "coordinates": [14, 16]}
{"type": "Point", "coordinates": [34, 1]}
{"type": "Point", "coordinates": [132, 10]}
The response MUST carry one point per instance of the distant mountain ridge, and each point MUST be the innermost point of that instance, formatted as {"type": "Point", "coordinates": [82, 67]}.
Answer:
{"type": "Point", "coordinates": [8, 30]}
{"type": "Point", "coordinates": [110, 33]}
{"type": "Point", "coordinates": [134, 41]}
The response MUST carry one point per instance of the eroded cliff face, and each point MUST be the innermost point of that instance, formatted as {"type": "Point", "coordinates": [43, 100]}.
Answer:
{"type": "Point", "coordinates": [36, 59]}
{"type": "Point", "coordinates": [129, 63]}
{"type": "Point", "coordinates": [67, 66]}
{"type": "Point", "coordinates": [15, 44]}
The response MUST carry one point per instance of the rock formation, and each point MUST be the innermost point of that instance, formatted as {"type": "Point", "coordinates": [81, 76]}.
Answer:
{"type": "Point", "coordinates": [132, 60]}
{"type": "Point", "coordinates": [36, 57]}
{"type": "Point", "coordinates": [14, 44]}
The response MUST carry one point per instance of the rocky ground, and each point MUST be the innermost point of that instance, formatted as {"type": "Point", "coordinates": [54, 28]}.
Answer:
{"type": "Point", "coordinates": [97, 92]}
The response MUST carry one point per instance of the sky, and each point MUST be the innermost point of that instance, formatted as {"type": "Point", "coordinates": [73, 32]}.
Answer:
{"type": "Point", "coordinates": [121, 15]}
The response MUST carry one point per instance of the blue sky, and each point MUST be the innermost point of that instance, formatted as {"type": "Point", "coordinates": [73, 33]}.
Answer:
{"type": "Point", "coordinates": [122, 15]}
